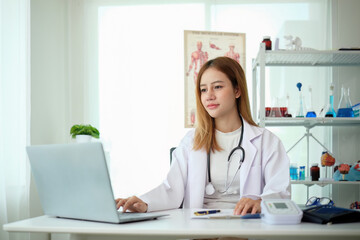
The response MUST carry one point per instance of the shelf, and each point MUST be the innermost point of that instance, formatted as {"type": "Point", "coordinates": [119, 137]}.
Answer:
{"type": "Point", "coordinates": [300, 58]}
{"type": "Point", "coordinates": [303, 58]}
{"type": "Point", "coordinates": [324, 183]}
{"type": "Point", "coordinates": [310, 58]}
{"type": "Point", "coordinates": [311, 122]}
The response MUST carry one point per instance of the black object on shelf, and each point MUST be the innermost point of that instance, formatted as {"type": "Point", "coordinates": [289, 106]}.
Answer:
{"type": "Point", "coordinates": [349, 49]}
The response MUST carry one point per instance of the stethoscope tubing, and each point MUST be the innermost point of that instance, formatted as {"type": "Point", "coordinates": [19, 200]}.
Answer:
{"type": "Point", "coordinates": [210, 188]}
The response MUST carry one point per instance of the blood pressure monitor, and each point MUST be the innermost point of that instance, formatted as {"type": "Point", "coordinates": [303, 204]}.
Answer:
{"type": "Point", "coordinates": [280, 211]}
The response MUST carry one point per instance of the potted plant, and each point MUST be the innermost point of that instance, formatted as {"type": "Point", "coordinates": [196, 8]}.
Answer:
{"type": "Point", "coordinates": [84, 133]}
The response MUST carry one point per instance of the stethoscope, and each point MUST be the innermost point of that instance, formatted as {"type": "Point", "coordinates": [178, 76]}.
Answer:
{"type": "Point", "coordinates": [210, 189]}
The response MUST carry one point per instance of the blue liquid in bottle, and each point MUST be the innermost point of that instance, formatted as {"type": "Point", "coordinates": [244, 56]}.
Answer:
{"type": "Point", "coordinates": [302, 173]}
{"type": "Point", "coordinates": [311, 114]}
{"type": "Point", "coordinates": [293, 172]}
{"type": "Point", "coordinates": [345, 112]}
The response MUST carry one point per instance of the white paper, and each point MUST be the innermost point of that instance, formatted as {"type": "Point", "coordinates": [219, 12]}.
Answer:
{"type": "Point", "coordinates": [223, 214]}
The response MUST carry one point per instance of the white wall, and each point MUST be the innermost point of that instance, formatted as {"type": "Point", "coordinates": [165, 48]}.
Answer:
{"type": "Point", "coordinates": [346, 140]}
{"type": "Point", "coordinates": [49, 72]}
{"type": "Point", "coordinates": [49, 81]}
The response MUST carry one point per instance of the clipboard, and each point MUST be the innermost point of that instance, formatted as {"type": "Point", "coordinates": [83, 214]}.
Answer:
{"type": "Point", "coordinates": [226, 214]}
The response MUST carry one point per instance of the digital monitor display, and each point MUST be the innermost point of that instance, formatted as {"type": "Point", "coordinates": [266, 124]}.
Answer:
{"type": "Point", "coordinates": [280, 205]}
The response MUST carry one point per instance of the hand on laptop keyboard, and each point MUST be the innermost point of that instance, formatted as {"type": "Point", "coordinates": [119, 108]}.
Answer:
{"type": "Point", "coordinates": [133, 204]}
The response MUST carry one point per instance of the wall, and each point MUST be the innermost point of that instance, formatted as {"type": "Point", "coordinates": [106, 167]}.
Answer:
{"type": "Point", "coordinates": [49, 81]}
{"type": "Point", "coordinates": [345, 33]}
{"type": "Point", "coordinates": [49, 77]}
{"type": "Point", "coordinates": [58, 98]}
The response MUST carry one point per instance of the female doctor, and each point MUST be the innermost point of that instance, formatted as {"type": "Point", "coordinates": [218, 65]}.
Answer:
{"type": "Point", "coordinates": [227, 161]}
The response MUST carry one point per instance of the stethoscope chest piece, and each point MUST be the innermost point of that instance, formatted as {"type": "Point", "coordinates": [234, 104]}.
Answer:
{"type": "Point", "coordinates": [209, 189]}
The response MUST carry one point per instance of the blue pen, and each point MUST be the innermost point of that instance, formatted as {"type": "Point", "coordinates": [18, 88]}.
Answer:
{"type": "Point", "coordinates": [200, 213]}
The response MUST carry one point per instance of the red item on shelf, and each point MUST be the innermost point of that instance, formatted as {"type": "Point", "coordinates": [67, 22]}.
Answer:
{"type": "Point", "coordinates": [267, 42]}
{"type": "Point", "coordinates": [284, 111]}
{"type": "Point", "coordinates": [267, 111]}
{"type": "Point", "coordinates": [315, 172]}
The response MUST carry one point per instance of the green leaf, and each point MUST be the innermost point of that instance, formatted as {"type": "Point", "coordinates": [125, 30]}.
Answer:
{"type": "Point", "coordinates": [80, 129]}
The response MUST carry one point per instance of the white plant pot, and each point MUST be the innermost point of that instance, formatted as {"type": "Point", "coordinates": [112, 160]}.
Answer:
{"type": "Point", "coordinates": [83, 138]}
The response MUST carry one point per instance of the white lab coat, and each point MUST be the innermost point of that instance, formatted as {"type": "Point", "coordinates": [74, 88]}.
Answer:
{"type": "Point", "coordinates": [264, 173]}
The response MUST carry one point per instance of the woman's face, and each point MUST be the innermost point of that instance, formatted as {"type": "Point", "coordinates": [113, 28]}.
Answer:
{"type": "Point", "coordinates": [218, 95]}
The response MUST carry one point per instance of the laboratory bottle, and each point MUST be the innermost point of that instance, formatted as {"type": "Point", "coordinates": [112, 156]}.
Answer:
{"type": "Point", "coordinates": [330, 111]}
{"type": "Point", "coordinates": [311, 112]}
{"type": "Point", "coordinates": [345, 108]}
{"type": "Point", "coordinates": [267, 41]}
{"type": "Point", "coordinates": [315, 172]}
{"type": "Point", "coordinates": [300, 112]}
{"type": "Point", "coordinates": [267, 111]}
{"type": "Point", "coordinates": [302, 173]}
{"type": "Point", "coordinates": [293, 171]}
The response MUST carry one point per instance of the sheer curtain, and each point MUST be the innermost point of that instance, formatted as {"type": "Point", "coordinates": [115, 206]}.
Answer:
{"type": "Point", "coordinates": [14, 114]}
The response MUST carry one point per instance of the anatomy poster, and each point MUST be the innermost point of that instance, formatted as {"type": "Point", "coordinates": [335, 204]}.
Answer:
{"type": "Point", "coordinates": [200, 47]}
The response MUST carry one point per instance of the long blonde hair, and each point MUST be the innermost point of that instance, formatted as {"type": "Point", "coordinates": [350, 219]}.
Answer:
{"type": "Point", "coordinates": [205, 129]}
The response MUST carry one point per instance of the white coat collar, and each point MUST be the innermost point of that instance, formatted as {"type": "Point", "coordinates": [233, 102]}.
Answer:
{"type": "Point", "coordinates": [250, 133]}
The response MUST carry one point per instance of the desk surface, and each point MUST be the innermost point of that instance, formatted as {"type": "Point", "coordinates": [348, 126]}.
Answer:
{"type": "Point", "coordinates": [179, 225]}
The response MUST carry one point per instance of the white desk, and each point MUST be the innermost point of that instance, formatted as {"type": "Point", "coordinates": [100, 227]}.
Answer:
{"type": "Point", "coordinates": [179, 225]}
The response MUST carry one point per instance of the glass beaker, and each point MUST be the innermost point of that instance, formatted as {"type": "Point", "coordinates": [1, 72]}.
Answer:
{"type": "Point", "coordinates": [275, 110]}
{"type": "Point", "coordinates": [345, 107]}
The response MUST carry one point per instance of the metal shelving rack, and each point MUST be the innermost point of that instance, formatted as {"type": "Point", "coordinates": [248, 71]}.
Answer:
{"type": "Point", "coordinates": [311, 122]}
{"type": "Point", "coordinates": [324, 183]}
{"type": "Point", "coordinates": [283, 58]}
{"type": "Point", "coordinates": [309, 58]}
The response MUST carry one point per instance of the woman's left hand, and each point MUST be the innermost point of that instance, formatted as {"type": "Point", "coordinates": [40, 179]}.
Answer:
{"type": "Point", "coordinates": [247, 205]}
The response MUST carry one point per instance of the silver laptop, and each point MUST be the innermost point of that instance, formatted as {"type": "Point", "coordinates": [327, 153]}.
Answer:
{"type": "Point", "coordinates": [73, 182]}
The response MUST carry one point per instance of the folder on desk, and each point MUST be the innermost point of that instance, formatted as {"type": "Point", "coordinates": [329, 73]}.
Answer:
{"type": "Point", "coordinates": [330, 214]}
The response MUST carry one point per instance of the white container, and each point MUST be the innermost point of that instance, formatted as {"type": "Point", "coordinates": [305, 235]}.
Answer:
{"type": "Point", "coordinates": [83, 138]}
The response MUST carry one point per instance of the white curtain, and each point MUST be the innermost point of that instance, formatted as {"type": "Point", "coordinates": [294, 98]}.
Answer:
{"type": "Point", "coordinates": [14, 113]}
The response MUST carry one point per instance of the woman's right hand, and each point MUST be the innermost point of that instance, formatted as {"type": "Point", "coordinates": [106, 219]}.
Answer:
{"type": "Point", "coordinates": [133, 204]}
